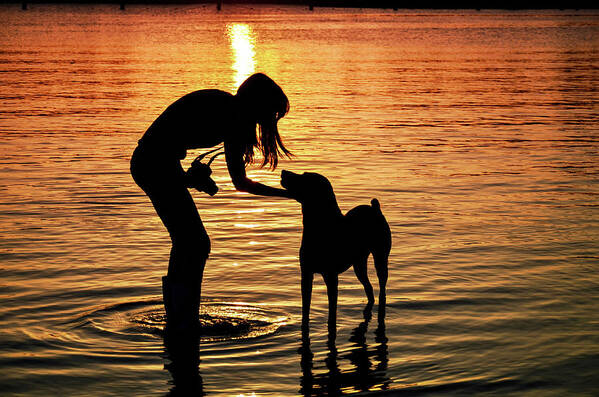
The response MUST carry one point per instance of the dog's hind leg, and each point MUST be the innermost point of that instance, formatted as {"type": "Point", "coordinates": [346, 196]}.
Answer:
{"type": "Point", "coordinates": [381, 264]}
{"type": "Point", "coordinates": [361, 271]}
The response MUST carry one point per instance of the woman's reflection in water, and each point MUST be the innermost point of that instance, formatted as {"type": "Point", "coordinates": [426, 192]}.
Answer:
{"type": "Point", "coordinates": [363, 377]}
{"type": "Point", "coordinates": [183, 357]}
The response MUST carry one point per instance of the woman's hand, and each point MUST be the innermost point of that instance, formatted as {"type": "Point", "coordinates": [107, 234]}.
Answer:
{"type": "Point", "coordinates": [236, 167]}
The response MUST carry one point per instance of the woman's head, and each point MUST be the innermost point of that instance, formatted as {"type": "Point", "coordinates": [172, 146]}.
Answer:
{"type": "Point", "coordinates": [265, 102]}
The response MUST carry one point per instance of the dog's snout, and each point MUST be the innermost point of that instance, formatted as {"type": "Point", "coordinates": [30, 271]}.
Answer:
{"type": "Point", "coordinates": [285, 178]}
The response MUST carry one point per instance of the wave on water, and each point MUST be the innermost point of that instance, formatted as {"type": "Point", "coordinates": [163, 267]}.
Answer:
{"type": "Point", "coordinates": [219, 321]}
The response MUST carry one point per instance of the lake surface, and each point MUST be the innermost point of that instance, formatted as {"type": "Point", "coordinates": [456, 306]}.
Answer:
{"type": "Point", "coordinates": [477, 131]}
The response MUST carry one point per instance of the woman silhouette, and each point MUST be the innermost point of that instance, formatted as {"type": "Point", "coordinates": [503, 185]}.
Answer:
{"type": "Point", "coordinates": [203, 119]}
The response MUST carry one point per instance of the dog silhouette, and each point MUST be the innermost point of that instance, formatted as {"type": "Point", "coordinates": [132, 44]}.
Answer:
{"type": "Point", "coordinates": [333, 242]}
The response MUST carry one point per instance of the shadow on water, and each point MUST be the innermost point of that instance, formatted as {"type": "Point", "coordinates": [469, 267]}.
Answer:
{"type": "Point", "coordinates": [369, 363]}
{"type": "Point", "coordinates": [184, 366]}
{"type": "Point", "coordinates": [145, 321]}
{"type": "Point", "coordinates": [217, 322]}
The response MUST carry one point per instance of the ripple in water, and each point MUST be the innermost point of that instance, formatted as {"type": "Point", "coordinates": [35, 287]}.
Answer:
{"type": "Point", "coordinates": [219, 321]}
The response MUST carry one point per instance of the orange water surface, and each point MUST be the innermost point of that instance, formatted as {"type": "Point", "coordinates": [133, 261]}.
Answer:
{"type": "Point", "coordinates": [477, 131]}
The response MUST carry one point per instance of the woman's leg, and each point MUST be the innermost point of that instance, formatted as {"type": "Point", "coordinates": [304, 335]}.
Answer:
{"type": "Point", "coordinates": [182, 287]}
{"type": "Point", "coordinates": [191, 244]}
{"type": "Point", "coordinates": [163, 182]}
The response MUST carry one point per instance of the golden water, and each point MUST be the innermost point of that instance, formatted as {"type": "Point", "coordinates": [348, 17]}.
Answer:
{"type": "Point", "coordinates": [477, 131]}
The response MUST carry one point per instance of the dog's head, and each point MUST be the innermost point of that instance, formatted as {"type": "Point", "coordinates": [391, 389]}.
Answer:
{"type": "Point", "coordinates": [310, 189]}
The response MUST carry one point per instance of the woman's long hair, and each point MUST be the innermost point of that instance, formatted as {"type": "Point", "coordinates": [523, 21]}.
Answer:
{"type": "Point", "coordinates": [267, 104]}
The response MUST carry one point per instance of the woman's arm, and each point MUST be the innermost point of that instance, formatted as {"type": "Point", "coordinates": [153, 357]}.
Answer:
{"type": "Point", "coordinates": [236, 166]}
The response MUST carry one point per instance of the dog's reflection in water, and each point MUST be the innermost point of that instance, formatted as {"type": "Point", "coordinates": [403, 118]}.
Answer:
{"type": "Point", "coordinates": [369, 363]}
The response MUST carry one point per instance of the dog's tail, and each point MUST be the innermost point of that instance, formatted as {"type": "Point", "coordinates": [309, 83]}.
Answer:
{"type": "Point", "coordinates": [380, 232]}
{"type": "Point", "coordinates": [376, 205]}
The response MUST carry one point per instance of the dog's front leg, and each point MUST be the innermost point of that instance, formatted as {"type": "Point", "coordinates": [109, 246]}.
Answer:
{"type": "Point", "coordinates": [332, 282]}
{"type": "Point", "coordinates": [307, 279]}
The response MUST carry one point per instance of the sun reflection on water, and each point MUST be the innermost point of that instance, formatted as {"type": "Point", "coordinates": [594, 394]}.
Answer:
{"type": "Point", "coordinates": [242, 43]}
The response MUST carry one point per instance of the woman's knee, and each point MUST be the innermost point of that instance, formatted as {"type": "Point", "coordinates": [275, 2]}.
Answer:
{"type": "Point", "coordinates": [204, 245]}
{"type": "Point", "coordinates": [194, 245]}
{"type": "Point", "coordinates": [188, 258]}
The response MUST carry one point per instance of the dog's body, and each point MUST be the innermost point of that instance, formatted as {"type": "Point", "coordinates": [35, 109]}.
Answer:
{"type": "Point", "coordinates": [333, 242]}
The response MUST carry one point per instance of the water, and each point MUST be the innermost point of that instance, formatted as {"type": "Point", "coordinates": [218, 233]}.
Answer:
{"type": "Point", "coordinates": [477, 131]}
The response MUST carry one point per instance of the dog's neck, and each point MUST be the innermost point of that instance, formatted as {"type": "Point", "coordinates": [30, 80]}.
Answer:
{"type": "Point", "coordinates": [326, 212]}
